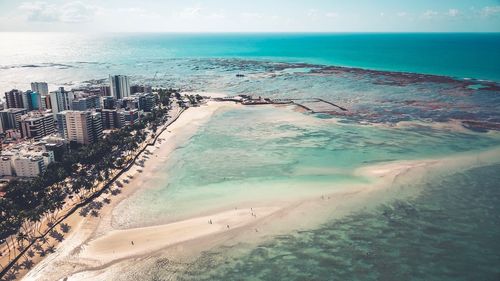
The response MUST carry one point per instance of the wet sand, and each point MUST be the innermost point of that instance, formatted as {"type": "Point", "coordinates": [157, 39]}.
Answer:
{"type": "Point", "coordinates": [96, 247]}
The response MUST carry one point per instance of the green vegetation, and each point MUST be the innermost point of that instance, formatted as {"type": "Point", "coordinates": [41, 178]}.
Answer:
{"type": "Point", "coordinates": [30, 207]}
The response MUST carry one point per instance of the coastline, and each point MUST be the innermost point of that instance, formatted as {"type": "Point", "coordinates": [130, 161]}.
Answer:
{"type": "Point", "coordinates": [81, 228]}
{"type": "Point", "coordinates": [98, 246]}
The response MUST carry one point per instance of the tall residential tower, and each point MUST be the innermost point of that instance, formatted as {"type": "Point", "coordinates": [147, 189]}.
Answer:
{"type": "Point", "coordinates": [40, 87]}
{"type": "Point", "coordinates": [119, 86]}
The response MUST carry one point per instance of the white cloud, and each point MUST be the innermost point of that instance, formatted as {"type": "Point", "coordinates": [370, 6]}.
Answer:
{"type": "Point", "coordinates": [216, 15]}
{"type": "Point", "coordinates": [133, 12]}
{"type": "Point", "coordinates": [40, 11]}
{"type": "Point", "coordinates": [430, 14]}
{"type": "Point", "coordinates": [331, 15]}
{"type": "Point", "coordinates": [190, 12]}
{"type": "Point", "coordinates": [490, 11]}
{"type": "Point", "coordinates": [312, 13]}
{"type": "Point", "coordinates": [402, 14]}
{"type": "Point", "coordinates": [72, 12]}
{"type": "Point", "coordinates": [77, 12]}
{"type": "Point", "coordinates": [453, 12]}
{"type": "Point", "coordinates": [252, 15]}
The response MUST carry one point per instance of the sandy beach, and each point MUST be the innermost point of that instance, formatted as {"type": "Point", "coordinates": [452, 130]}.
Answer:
{"type": "Point", "coordinates": [94, 244]}
{"type": "Point", "coordinates": [120, 244]}
{"type": "Point", "coordinates": [83, 228]}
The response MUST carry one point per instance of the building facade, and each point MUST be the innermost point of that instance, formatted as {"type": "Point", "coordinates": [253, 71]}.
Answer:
{"type": "Point", "coordinates": [25, 160]}
{"type": "Point", "coordinates": [40, 87]}
{"type": "Point", "coordinates": [140, 89]}
{"type": "Point", "coordinates": [61, 100]}
{"type": "Point", "coordinates": [108, 102]}
{"type": "Point", "coordinates": [10, 118]}
{"type": "Point", "coordinates": [119, 86]}
{"type": "Point", "coordinates": [111, 119]}
{"type": "Point", "coordinates": [14, 99]}
{"type": "Point", "coordinates": [86, 103]}
{"type": "Point", "coordinates": [37, 125]}
{"type": "Point", "coordinates": [83, 127]}
{"type": "Point", "coordinates": [129, 117]}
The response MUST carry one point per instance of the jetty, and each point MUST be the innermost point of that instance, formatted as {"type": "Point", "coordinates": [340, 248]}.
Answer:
{"type": "Point", "coordinates": [312, 105]}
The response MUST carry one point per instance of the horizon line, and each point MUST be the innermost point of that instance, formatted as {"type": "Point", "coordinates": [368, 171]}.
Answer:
{"type": "Point", "coordinates": [260, 32]}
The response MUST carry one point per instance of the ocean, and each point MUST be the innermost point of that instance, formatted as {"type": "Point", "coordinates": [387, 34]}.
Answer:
{"type": "Point", "coordinates": [440, 225]}
{"type": "Point", "coordinates": [50, 56]}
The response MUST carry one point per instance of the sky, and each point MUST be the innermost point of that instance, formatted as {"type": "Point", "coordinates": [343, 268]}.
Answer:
{"type": "Point", "coordinates": [251, 15]}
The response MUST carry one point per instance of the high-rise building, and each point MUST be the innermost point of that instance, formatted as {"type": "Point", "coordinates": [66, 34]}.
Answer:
{"type": "Point", "coordinates": [33, 100]}
{"type": "Point", "coordinates": [147, 101]}
{"type": "Point", "coordinates": [104, 91]}
{"type": "Point", "coordinates": [14, 99]}
{"type": "Point", "coordinates": [108, 102]}
{"type": "Point", "coordinates": [96, 126]}
{"type": "Point", "coordinates": [119, 86]}
{"type": "Point", "coordinates": [61, 100]}
{"type": "Point", "coordinates": [129, 117]}
{"type": "Point", "coordinates": [40, 87]}
{"type": "Point", "coordinates": [111, 119]}
{"type": "Point", "coordinates": [59, 146]}
{"type": "Point", "coordinates": [140, 101]}
{"type": "Point", "coordinates": [37, 125]}
{"type": "Point", "coordinates": [46, 103]}
{"type": "Point", "coordinates": [131, 102]}
{"type": "Point", "coordinates": [10, 118]}
{"type": "Point", "coordinates": [140, 89]}
{"type": "Point", "coordinates": [61, 124]}
{"type": "Point", "coordinates": [82, 104]}
{"type": "Point", "coordinates": [83, 127]}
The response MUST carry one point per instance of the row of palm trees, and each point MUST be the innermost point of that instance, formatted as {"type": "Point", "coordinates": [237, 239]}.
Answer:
{"type": "Point", "coordinates": [31, 207]}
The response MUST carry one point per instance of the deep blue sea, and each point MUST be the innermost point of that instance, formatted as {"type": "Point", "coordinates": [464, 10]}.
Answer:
{"type": "Point", "coordinates": [458, 55]}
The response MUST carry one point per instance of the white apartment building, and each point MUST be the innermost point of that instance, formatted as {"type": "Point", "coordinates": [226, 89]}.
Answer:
{"type": "Point", "coordinates": [37, 125]}
{"type": "Point", "coordinates": [61, 100]}
{"type": "Point", "coordinates": [28, 166]}
{"type": "Point", "coordinates": [83, 127]}
{"type": "Point", "coordinates": [25, 160]}
{"type": "Point", "coordinates": [6, 168]}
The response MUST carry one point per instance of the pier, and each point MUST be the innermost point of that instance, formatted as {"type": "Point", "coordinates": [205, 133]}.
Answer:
{"type": "Point", "coordinates": [312, 105]}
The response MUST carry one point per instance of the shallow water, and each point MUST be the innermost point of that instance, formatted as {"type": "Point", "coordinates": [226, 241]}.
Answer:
{"type": "Point", "coordinates": [258, 155]}
{"type": "Point", "coordinates": [449, 232]}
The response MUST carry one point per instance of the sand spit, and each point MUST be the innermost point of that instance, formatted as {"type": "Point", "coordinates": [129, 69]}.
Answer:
{"type": "Point", "coordinates": [121, 244]}
{"type": "Point", "coordinates": [95, 248]}
{"type": "Point", "coordinates": [54, 265]}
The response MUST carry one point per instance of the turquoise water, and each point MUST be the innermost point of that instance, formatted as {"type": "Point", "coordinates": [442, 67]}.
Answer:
{"type": "Point", "coordinates": [258, 155]}
{"type": "Point", "coordinates": [71, 58]}
{"type": "Point", "coordinates": [255, 156]}
{"type": "Point", "coordinates": [450, 232]}
{"type": "Point", "coordinates": [444, 231]}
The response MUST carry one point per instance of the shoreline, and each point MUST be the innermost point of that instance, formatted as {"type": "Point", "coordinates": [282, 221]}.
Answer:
{"type": "Point", "coordinates": [83, 227]}
{"type": "Point", "coordinates": [99, 251]}
{"type": "Point", "coordinates": [90, 251]}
